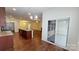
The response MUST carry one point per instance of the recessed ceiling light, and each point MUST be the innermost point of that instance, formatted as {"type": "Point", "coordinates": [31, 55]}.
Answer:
{"type": "Point", "coordinates": [31, 17]}
{"type": "Point", "coordinates": [14, 9]}
{"type": "Point", "coordinates": [36, 17]}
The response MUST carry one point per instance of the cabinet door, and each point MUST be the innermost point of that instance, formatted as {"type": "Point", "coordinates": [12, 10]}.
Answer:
{"type": "Point", "coordinates": [6, 42]}
{"type": "Point", "coordinates": [29, 34]}
{"type": "Point", "coordinates": [2, 16]}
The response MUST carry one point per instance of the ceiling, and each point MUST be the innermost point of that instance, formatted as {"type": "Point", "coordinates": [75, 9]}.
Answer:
{"type": "Point", "coordinates": [22, 12]}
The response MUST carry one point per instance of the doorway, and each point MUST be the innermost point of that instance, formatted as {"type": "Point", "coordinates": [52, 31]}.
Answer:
{"type": "Point", "coordinates": [58, 31]}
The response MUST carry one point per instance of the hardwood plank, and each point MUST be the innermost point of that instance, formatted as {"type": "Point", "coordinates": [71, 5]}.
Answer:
{"type": "Point", "coordinates": [35, 44]}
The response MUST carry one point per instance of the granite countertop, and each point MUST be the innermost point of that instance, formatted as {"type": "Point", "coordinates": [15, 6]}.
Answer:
{"type": "Point", "coordinates": [5, 33]}
{"type": "Point", "coordinates": [26, 29]}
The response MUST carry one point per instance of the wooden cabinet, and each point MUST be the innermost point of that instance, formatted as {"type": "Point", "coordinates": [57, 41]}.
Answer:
{"type": "Point", "coordinates": [6, 42]}
{"type": "Point", "coordinates": [25, 34]}
{"type": "Point", "coordinates": [2, 16]}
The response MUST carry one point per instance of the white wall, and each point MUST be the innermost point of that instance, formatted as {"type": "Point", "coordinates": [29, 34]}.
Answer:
{"type": "Point", "coordinates": [62, 13]}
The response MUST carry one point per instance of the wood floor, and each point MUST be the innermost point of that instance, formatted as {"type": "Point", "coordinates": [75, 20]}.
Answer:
{"type": "Point", "coordinates": [35, 44]}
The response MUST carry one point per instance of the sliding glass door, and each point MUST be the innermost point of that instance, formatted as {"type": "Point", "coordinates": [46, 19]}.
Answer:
{"type": "Point", "coordinates": [58, 31]}
{"type": "Point", "coordinates": [61, 34]}
{"type": "Point", "coordinates": [51, 30]}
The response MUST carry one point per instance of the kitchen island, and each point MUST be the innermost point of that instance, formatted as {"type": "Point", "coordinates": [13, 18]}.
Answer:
{"type": "Point", "coordinates": [27, 34]}
{"type": "Point", "coordinates": [6, 40]}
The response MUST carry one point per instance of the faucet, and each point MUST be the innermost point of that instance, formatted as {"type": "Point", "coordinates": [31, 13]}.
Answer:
{"type": "Point", "coordinates": [2, 28]}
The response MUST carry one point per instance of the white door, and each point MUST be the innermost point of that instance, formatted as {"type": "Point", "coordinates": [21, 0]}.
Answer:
{"type": "Point", "coordinates": [61, 32]}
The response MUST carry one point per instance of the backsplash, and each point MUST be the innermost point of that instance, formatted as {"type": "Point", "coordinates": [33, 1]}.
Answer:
{"type": "Point", "coordinates": [33, 25]}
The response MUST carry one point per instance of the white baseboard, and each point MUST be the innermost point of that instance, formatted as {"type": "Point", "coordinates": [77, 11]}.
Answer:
{"type": "Point", "coordinates": [56, 44]}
